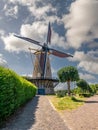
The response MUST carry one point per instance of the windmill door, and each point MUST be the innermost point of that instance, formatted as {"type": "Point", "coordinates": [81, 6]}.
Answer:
{"type": "Point", "coordinates": [41, 91]}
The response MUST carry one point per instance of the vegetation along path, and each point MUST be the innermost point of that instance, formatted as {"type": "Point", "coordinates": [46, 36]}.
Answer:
{"type": "Point", "coordinates": [38, 114]}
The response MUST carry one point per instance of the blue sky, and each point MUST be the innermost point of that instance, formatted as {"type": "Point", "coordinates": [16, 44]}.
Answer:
{"type": "Point", "coordinates": [74, 25]}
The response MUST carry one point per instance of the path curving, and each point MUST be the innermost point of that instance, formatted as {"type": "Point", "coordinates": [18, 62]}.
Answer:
{"type": "Point", "coordinates": [83, 118]}
{"type": "Point", "coordinates": [38, 114]}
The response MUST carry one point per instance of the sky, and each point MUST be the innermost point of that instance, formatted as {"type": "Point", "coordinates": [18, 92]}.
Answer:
{"type": "Point", "coordinates": [74, 25]}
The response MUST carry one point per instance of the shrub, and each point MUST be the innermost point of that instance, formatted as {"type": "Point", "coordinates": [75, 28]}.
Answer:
{"type": "Point", "coordinates": [77, 90]}
{"type": "Point", "coordinates": [84, 89]}
{"type": "Point", "coordinates": [93, 88]}
{"type": "Point", "coordinates": [61, 93]}
{"type": "Point", "coordinates": [81, 92]}
{"type": "Point", "coordinates": [14, 91]}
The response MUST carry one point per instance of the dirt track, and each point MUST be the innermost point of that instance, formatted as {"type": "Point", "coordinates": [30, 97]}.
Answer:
{"type": "Point", "coordinates": [38, 114]}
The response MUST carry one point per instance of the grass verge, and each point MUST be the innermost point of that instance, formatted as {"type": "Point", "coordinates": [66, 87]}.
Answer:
{"type": "Point", "coordinates": [66, 103]}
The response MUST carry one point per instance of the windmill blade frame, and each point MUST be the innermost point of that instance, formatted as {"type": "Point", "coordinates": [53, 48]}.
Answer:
{"type": "Point", "coordinates": [29, 40]}
{"type": "Point", "coordinates": [59, 53]}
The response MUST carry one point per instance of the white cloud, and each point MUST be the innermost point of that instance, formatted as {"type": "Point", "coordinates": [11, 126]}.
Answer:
{"type": "Point", "coordinates": [23, 2]}
{"type": "Point", "coordinates": [90, 67]}
{"type": "Point", "coordinates": [58, 40]}
{"type": "Point", "coordinates": [41, 12]}
{"type": "Point", "coordinates": [86, 76]}
{"type": "Point", "coordinates": [18, 1]}
{"type": "Point", "coordinates": [37, 31]}
{"type": "Point", "coordinates": [11, 10]}
{"type": "Point", "coordinates": [14, 44]}
{"type": "Point", "coordinates": [81, 22]}
{"type": "Point", "coordinates": [3, 62]}
{"type": "Point", "coordinates": [87, 61]}
{"type": "Point", "coordinates": [39, 9]}
{"type": "Point", "coordinates": [81, 56]}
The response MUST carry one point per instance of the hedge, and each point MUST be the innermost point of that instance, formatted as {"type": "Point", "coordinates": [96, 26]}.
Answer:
{"type": "Point", "coordinates": [14, 91]}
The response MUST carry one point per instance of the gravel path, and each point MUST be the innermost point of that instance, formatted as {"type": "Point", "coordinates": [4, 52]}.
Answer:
{"type": "Point", "coordinates": [83, 118]}
{"type": "Point", "coordinates": [37, 115]}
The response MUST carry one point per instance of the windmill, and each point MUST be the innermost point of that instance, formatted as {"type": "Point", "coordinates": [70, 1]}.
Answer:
{"type": "Point", "coordinates": [42, 68]}
{"type": "Point", "coordinates": [45, 51]}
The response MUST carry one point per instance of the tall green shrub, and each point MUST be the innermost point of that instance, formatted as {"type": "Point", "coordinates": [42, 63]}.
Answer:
{"type": "Point", "coordinates": [84, 86]}
{"type": "Point", "coordinates": [14, 91]}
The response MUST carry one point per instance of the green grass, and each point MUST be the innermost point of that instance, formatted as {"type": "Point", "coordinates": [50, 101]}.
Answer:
{"type": "Point", "coordinates": [66, 103]}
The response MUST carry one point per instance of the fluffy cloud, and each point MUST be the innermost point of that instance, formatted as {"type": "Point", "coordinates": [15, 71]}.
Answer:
{"type": "Point", "coordinates": [37, 31]}
{"type": "Point", "coordinates": [86, 76]}
{"type": "Point", "coordinates": [3, 62]}
{"type": "Point", "coordinates": [24, 2]}
{"type": "Point", "coordinates": [87, 61]}
{"type": "Point", "coordinates": [39, 9]}
{"type": "Point", "coordinates": [90, 56]}
{"type": "Point", "coordinates": [14, 44]}
{"type": "Point", "coordinates": [81, 22]}
{"type": "Point", "coordinates": [90, 67]}
{"type": "Point", "coordinates": [41, 12]}
{"type": "Point", "coordinates": [11, 10]}
{"type": "Point", "coordinates": [58, 40]}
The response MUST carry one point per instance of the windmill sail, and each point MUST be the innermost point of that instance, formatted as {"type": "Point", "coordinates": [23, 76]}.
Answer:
{"type": "Point", "coordinates": [49, 34]}
{"type": "Point", "coordinates": [59, 53]}
{"type": "Point", "coordinates": [29, 40]}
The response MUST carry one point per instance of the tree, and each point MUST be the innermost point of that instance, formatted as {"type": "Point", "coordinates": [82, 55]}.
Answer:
{"type": "Point", "coordinates": [68, 74]}
{"type": "Point", "coordinates": [83, 85]}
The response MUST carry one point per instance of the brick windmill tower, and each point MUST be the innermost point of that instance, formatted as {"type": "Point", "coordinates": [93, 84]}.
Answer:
{"type": "Point", "coordinates": [42, 75]}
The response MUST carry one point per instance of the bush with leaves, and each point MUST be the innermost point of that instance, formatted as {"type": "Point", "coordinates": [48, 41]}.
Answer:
{"type": "Point", "coordinates": [94, 88]}
{"type": "Point", "coordinates": [14, 91]}
{"type": "Point", "coordinates": [79, 91]}
{"type": "Point", "coordinates": [83, 88]}
{"type": "Point", "coordinates": [61, 93]}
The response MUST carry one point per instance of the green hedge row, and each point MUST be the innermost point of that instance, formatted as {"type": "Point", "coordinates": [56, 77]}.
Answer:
{"type": "Point", "coordinates": [14, 91]}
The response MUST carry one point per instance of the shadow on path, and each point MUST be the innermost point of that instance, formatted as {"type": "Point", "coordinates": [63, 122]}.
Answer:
{"type": "Point", "coordinates": [24, 118]}
{"type": "Point", "coordinates": [91, 101]}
